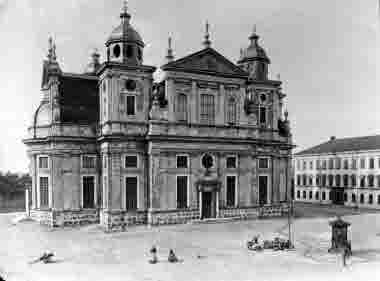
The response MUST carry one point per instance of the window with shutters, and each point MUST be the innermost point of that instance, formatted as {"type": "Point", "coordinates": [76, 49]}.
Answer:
{"type": "Point", "coordinates": [231, 191]}
{"type": "Point", "coordinates": [131, 193]}
{"type": "Point", "coordinates": [182, 192]}
{"type": "Point", "coordinates": [43, 162]}
{"type": "Point", "coordinates": [131, 105]}
{"type": "Point", "coordinates": [88, 191]}
{"type": "Point", "coordinates": [207, 110]}
{"type": "Point", "coordinates": [88, 161]}
{"type": "Point", "coordinates": [231, 111]}
{"type": "Point", "coordinates": [131, 161]}
{"type": "Point", "coordinates": [44, 192]}
{"type": "Point", "coordinates": [181, 108]}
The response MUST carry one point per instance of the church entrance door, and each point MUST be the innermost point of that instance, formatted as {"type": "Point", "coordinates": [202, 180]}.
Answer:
{"type": "Point", "coordinates": [207, 205]}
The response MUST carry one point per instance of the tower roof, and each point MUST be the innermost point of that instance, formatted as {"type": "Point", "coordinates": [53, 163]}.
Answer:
{"type": "Point", "coordinates": [254, 51]}
{"type": "Point", "coordinates": [125, 32]}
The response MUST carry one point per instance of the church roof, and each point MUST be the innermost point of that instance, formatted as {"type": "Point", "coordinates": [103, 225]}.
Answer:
{"type": "Point", "coordinates": [343, 145]}
{"type": "Point", "coordinates": [206, 61]}
{"type": "Point", "coordinates": [79, 98]}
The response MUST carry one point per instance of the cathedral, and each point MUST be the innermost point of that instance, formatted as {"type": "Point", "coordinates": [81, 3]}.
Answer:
{"type": "Point", "coordinates": [208, 140]}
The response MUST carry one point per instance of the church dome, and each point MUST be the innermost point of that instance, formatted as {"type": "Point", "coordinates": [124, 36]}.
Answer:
{"type": "Point", "coordinates": [130, 35]}
{"type": "Point", "coordinates": [254, 51]}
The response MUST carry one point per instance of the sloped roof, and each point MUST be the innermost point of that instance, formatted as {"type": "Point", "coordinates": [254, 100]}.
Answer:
{"type": "Point", "coordinates": [206, 61]}
{"type": "Point", "coordinates": [79, 98]}
{"type": "Point", "coordinates": [344, 144]}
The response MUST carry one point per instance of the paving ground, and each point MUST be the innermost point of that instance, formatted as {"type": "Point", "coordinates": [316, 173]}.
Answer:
{"type": "Point", "coordinates": [209, 251]}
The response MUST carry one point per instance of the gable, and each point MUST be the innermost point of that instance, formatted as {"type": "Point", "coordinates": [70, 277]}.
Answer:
{"type": "Point", "coordinates": [207, 61]}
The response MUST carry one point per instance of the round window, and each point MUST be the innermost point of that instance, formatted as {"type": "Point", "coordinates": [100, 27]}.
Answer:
{"type": "Point", "coordinates": [207, 161]}
{"type": "Point", "coordinates": [116, 51]}
{"type": "Point", "coordinates": [130, 85]}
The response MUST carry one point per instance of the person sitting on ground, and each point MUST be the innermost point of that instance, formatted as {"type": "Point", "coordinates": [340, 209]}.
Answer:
{"type": "Point", "coordinates": [172, 257]}
{"type": "Point", "coordinates": [153, 251]}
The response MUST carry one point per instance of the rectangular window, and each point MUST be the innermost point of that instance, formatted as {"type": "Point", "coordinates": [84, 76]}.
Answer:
{"type": "Point", "coordinates": [131, 193]}
{"type": "Point", "coordinates": [231, 191]}
{"type": "Point", "coordinates": [298, 180]}
{"type": "Point", "coordinates": [331, 163]}
{"type": "Point", "coordinates": [88, 187]}
{"type": "Point", "coordinates": [182, 161]}
{"type": "Point", "coordinates": [337, 163]}
{"type": "Point", "coordinates": [345, 164]}
{"type": "Point", "coordinates": [88, 162]}
{"type": "Point", "coordinates": [43, 162]}
{"type": "Point", "coordinates": [311, 165]}
{"type": "Point", "coordinates": [131, 161]}
{"type": "Point", "coordinates": [181, 108]}
{"type": "Point", "coordinates": [372, 163]}
{"type": "Point", "coordinates": [207, 111]}
{"type": "Point", "coordinates": [324, 164]}
{"type": "Point", "coordinates": [181, 192]}
{"type": "Point", "coordinates": [353, 164]}
{"type": "Point", "coordinates": [298, 165]}
{"type": "Point", "coordinates": [263, 115]}
{"type": "Point", "coordinates": [231, 162]}
{"type": "Point", "coordinates": [378, 180]}
{"type": "Point", "coordinates": [44, 192]}
{"type": "Point", "coordinates": [304, 165]}
{"type": "Point", "coordinates": [104, 161]}
{"type": "Point", "coordinates": [362, 163]}
{"type": "Point", "coordinates": [131, 105]}
{"type": "Point", "coordinates": [318, 164]}
{"type": "Point", "coordinates": [263, 163]}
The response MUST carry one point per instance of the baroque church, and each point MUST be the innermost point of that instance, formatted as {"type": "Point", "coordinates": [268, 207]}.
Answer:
{"type": "Point", "coordinates": [208, 140]}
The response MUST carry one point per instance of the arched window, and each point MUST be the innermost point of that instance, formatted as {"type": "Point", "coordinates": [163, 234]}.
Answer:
{"type": "Point", "coordinates": [317, 195]}
{"type": "Point", "coordinates": [323, 195]}
{"type": "Point", "coordinates": [304, 194]}
{"type": "Point", "coordinates": [298, 194]}
{"type": "Point", "coordinates": [331, 180]}
{"type": "Point", "coordinates": [182, 107]}
{"type": "Point", "coordinates": [324, 177]}
{"type": "Point", "coordinates": [345, 197]}
{"type": "Point", "coordinates": [353, 198]}
{"type": "Point", "coordinates": [310, 180]}
{"type": "Point", "coordinates": [371, 180]}
{"type": "Point", "coordinates": [129, 51]}
{"type": "Point", "coordinates": [345, 180]}
{"type": "Point", "coordinates": [116, 51]}
{"type": "Point", "coordinates": [304, 180]}
{"type": "Point", "coordinates": [378, 199]}
{"type": "Point", "coordinates": [337, 180]}
{"type": "Point", "coordinates": [370, 199]}
{"type": "Point", "coordinates": [361, 198]}
{"type": "Point", "coordinates": [353, 180]}
{"type": "Point", "coordinates": [378, 180]}
{"type": "Point", "coordinates": [231, 111]}
{"type": "Point", "coordinates": [362, 181]}
{"type": "Point", "coordinates": [310, 194]}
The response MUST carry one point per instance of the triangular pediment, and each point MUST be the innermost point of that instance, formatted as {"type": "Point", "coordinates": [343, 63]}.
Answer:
{"type": "Point", "coordinates": [206, 61]}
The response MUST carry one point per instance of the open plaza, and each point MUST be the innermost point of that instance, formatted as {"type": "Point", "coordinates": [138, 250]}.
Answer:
{"type": "Point", "coordinates": [208, 251]}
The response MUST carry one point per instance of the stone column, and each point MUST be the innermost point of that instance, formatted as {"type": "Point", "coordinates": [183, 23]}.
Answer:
{"type": "Point", "coordinates": [27, 209]}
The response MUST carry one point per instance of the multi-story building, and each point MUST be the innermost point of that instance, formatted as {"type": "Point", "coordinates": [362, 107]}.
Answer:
{"type": "Point", "coordinates": [340, 171]}
{"type": "Point", "coordinates": [207, 140]}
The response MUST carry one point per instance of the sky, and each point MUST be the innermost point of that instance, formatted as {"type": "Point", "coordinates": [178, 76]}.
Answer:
{"type": "Point", "coordinates": [327, 53]}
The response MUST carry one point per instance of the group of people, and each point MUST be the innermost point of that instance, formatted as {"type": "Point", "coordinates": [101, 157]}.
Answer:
{"type": "Point", "coordinates": [171, 258]}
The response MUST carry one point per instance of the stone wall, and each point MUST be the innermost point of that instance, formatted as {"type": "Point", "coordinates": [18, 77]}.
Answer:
{"type": "Point", "coordinates": [172, 216]}
{"type": "Point", "coordinates": [120, 220]}
{"type": "Point", "coordinates": [255, 212]}
{"type": "Point", "coordinates": [65, 218]}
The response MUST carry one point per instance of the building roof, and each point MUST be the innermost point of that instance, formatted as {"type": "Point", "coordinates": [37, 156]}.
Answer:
{"type": "Point", "coordinates": [344, 144]}
{"type": "Point", "coordinates": [79, 98]}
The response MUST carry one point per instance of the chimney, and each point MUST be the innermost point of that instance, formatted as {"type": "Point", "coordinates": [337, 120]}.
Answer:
{"type": "Point", "coordinates": [332, 138]}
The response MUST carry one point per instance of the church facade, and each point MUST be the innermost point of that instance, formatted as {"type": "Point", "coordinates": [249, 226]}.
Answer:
{"type": "Point", "coordinates": [207, 140]}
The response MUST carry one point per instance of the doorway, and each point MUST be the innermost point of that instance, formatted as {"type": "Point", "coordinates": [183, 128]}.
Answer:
{"type": "Point", "coordinates": [207, 205]}
{"type": "Point", "coordinates": [337, 196]}
{"type": "Point", "coordinates": [263, 190]}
